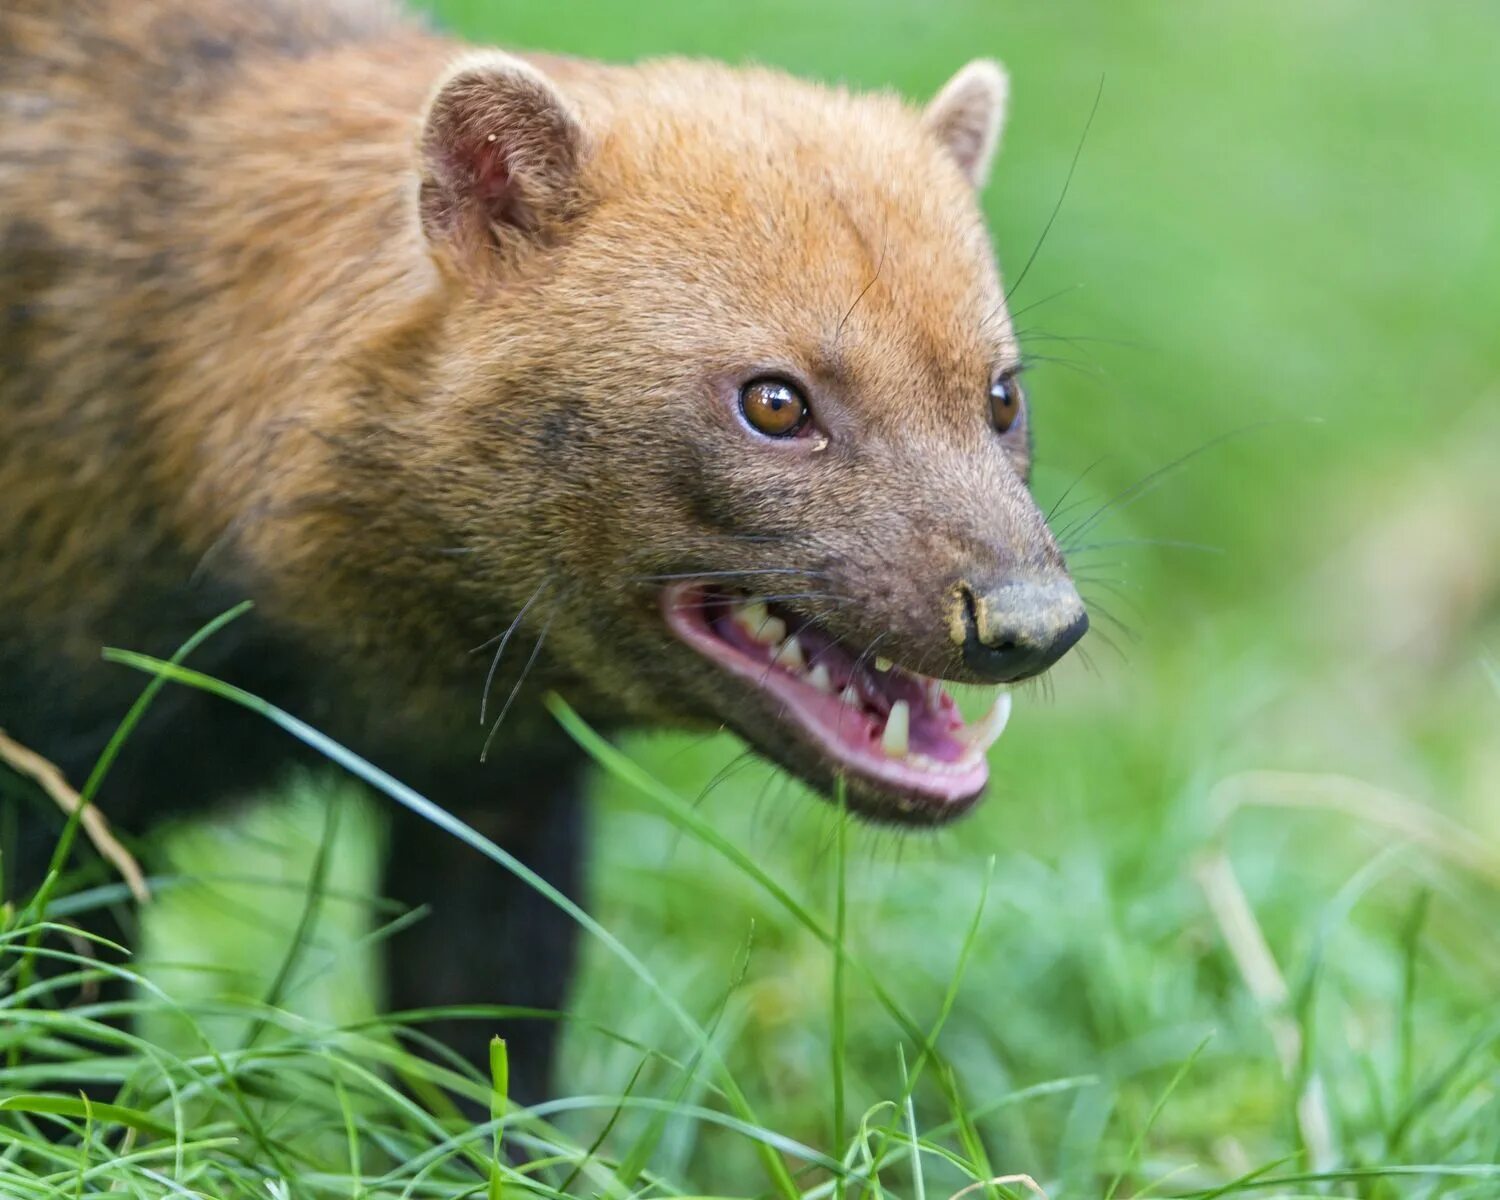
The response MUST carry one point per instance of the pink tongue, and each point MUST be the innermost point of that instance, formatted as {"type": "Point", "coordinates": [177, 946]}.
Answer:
{"type": "Point", "coordinates": [932, 735]}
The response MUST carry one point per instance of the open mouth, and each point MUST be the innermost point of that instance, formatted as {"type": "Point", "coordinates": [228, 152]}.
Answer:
{"type": "Point", "coordinates": [891, 729]}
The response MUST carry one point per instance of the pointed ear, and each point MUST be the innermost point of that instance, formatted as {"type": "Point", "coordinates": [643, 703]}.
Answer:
{"type": "Point", "coordinates": [500, 151]}
{"type": "Point", "coordinates": [968, 115]}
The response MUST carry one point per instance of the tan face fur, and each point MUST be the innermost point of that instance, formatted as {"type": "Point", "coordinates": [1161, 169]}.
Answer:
{"type": "Point", "coordinates": [714, 228]}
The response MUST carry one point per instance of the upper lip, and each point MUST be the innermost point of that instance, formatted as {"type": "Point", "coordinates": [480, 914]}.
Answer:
{"type": "Point", "coordinates": [896, 736]}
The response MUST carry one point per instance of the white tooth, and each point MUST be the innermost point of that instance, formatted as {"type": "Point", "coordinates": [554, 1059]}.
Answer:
{"type": "Point", "coordinates": [752, 613]}
{"type": "Point", "coordinates": [819, 678]}
{"type": "Point", "coordinates": [789, 655]}
{"type": "Point", "coordinates": [897, 736]}
{"type": "Point", "coordinates": [850, 696]}
{"type": "Point", "coordinates": [770, 631]}
{"type": "Point", "coordinates": [756, 620]}
{"type": "Point", "coordinates": [882, 663]}
{"type": "Point", "coordinates": [983, 733]}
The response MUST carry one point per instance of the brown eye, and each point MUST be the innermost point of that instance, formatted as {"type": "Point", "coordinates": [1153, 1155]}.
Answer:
{"type": "Point", "coordinates": [773, 407]}
{"type": "Point", "coordinates": [1006, 399]}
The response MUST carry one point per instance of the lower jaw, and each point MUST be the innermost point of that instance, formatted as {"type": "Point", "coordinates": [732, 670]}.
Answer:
{"type": "Point", "coordinates": [936, 773]}
{"type": "Point", "coordinates": [885, 801]}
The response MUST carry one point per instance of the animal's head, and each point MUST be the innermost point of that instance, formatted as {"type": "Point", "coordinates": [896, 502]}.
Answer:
{"type": "Point", "coordinates": [748, 339]}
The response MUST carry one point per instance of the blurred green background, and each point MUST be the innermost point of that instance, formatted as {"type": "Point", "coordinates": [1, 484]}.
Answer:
{"type": "Point", "coordinates": [1264, 322]}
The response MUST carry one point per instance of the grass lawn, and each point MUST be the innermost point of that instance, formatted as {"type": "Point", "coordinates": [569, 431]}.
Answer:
{"type": "Point", "coordinates": [1228, 918]}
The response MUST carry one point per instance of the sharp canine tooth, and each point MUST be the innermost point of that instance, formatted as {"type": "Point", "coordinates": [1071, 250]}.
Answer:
{"type": "Point", "coordinates": [789, 655]}
{"type": "Point", "coordinates": [850, 696]}
{"type": "Point", "coordinates": [897, 736]}
{"type": "Point", "coordinates": [882, 663]}
{"type": "Point", "coordinates": [984, 732]}
{"type": "Point", "coordinates": [819, 678]}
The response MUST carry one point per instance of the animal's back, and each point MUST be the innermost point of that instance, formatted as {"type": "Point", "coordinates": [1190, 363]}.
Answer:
{"type": "Point", "coordinates": [97, 103]}
{"type": "Point", "coordinates": [101, 252]}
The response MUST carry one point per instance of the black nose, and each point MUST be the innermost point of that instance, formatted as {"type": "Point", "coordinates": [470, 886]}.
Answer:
{"type": "Point", "coordinates": [1018, 627]}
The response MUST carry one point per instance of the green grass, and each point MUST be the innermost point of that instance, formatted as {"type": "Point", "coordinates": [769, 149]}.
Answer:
{"type": "Point", "coordinates": [1231, 905]}
{"type": "Point", "coordinates": [244, 1096]}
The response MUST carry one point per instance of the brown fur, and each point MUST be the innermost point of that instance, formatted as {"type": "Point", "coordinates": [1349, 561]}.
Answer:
{"type": "Point", "coordinates": [256, 328]}
{"type": "Point", "coordinates": [262, 363]}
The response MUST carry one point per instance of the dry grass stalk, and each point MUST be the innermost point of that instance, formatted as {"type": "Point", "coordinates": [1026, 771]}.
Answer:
{"type": "Point", "coordinates": [1025, 1181]}
{"type": "Point", "coordinates": [46, 775]}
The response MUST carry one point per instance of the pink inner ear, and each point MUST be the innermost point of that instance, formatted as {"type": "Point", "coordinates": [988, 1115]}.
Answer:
{"type": "Point", "coordinates": [488, 181]}
{"type": "Point", "coordinates": [491, 173]}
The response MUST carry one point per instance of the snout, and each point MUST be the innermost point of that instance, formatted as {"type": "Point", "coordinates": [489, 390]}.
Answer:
{"type": "Point", "coordinates": [1017, 627]}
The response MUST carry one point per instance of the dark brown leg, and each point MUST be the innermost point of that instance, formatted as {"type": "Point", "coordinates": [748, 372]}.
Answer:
{"type": "Point", "coordinates": [488, 937]}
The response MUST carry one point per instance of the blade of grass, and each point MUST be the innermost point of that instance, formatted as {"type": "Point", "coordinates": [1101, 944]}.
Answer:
{"type": "Point", "coordinates": [608, 1127]}
{"type": "Point", "coordinates": [1411, 939]}
{"type": "Point", "coordinates": [37, 907]}
{"type": "Point", "coordinates": [682, 814]}
{"type": "Point", "coordinates": [633, 1164]}
{"type": "Point", "coordinates": [312, 904]}
{"type": "Point", "coordinates": [112, 749]}
{"type": "Point", "coordinates": [837, 1017]}
{"type": "Point", "coordinates": [1133, 1155]}
{"type": "Point", "coordinates": [1354, 1174]}
{"type": "Point", "coordinates": [80, 1106]}
{"type": "Point", "coordinates": [351, 1140]}
{"type": "Point", "coordinates": [960, 970]}
{"type": "Point", "coordinates": [918, 1180]}
{"type": "Point", "coordinates": [499, 1102]}
{"type": "Point", "coordinates": [398, 791]}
